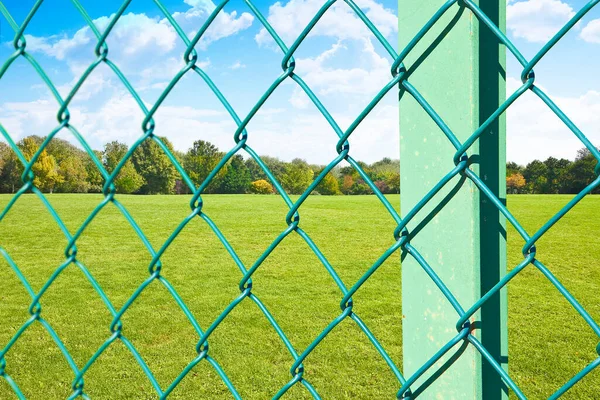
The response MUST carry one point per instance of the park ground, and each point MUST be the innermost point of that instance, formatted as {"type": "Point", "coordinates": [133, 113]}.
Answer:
{"type": "Point", "coordinates": [549, 342]}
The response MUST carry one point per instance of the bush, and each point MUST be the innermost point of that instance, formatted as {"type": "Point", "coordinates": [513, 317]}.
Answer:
{"type": "Point", "coordinates": [261, 186]}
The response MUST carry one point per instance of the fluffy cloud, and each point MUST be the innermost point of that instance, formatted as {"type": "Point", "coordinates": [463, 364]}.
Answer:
{"type": "Point", "coordinates": [537, 20]}
{"type": "Point", "coordinates": [58, 46]}
{"type": "Point", "coordinates": [119, 119]}
{"type": "Point", "coordinates": [224, 25]}
{"type": "Point", "coordinates": [139, 41]}
{"type": "Point", "coordinates": [237, 65]}
{"type": "Point", "coordinates": [134, 34]}
{"type": "Point", "coordinates": [591, 32]}
{"type": "Point", "coordinates": [534, 132]}
{"type": "Point", "coordinates": [339, 21]}
{"type": "Point", "coordinates": [281, 132]}
{"type": "Point", "coordinates": [308, 135]}
{"type": "Point", "coordinates": [329, 80]}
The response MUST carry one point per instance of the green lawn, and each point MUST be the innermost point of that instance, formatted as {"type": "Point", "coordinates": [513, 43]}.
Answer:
{"type": "Point", "coordinates": [549, 343]}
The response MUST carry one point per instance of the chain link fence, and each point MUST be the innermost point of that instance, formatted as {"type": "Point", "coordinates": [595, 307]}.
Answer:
{"type": "Point", "coordinates": [398, 82]}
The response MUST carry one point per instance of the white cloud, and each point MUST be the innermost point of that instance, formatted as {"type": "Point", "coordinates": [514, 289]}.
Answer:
{"type": "Point", "coordinates": [133, 35]}
{"type": "Point", "coordinates": [328, 80]}
{"type": "Point", "coordinates": [591, 32]}
{"type": "Point", "coordinates": [275, 131]}
{"type": "Point", "coordinates": [537, 20]}
{"type": "Point", "coordinates": [535, 132]}
{"type": "Point", "coordinates": [58, 46]}
{"type": "Point", "coordinates": [309, 136]}
{"type": "Point", "coordinates": [225, 24]}
{"type": "Point", "coordinates": [141, 45]}
{"type": "Point", "coordinates": [120, 119]}
{"type": "Point", "coordinates": [339, 21]}
{"type": "Point", "coordinates": [237, 65]}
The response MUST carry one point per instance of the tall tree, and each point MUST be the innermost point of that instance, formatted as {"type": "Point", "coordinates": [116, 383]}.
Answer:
{"type": "Point", "coordinates": [154, 166]}
{"type": "Point", "coordinates": [297, 177]}
{"type": "Point", "coordinates": [113, 154]}
{"type": "Point", "coordinates": [237, 176]}
{"type": "Point", "coordinates": [94, 176]}
{"type": "Point", "coordinates": [45, 168]}
{"type": "Point", "coordinates": [555, 175]}
{"type": "Point", "coordinates": [513, 168]}
{"type": "Point", "coordinates": [581, 172]}
{"type": "Point", "coordinates": [329, 185]}
{"type": "Point", "coordinates": [128, 180]}
{"type": "Point", "coordinates": [200, 160]}
{"type": "Point", "coordinates": [74, 178]}
{"type": "Point", "coordinates": [535, 173]}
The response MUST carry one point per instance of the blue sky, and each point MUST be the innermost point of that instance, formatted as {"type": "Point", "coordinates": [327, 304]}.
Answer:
{"type": "Point", "coordinates": [343, 64]}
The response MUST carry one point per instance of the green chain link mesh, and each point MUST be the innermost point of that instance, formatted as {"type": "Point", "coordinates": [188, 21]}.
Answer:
{"type": "Point", "coordinates": [402, 236]}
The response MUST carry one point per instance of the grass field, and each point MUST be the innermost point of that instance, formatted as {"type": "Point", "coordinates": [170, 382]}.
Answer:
{"type": "Point", "coordinates": [549, 343]}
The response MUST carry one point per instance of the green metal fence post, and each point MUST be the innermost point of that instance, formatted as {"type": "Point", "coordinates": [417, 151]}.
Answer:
{"type": "Point", "coordinates": [463, 78]}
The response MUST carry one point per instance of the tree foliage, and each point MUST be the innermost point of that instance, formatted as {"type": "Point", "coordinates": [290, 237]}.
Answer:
{"type": "Point", "coordinates": [199, 162]}
{"type": "Point", "coordinates": [329, 185]}
{"type": "Point", "coordinates": [155, 167]}
{"type": "Point", "coordinates": [128, 179]}
{"type": "Point", "coordinates": [45, 167]}
{"type": "Point", "coordinates": [297, 176]}
{"type": "Point", "coordinates": [64, 167]}
{"type": "Point", "coordinates": [237, 176]}
{"type": "Point", "coordinates": [554, 175]}
{"type": "Point", "coordinates": [515, 183]}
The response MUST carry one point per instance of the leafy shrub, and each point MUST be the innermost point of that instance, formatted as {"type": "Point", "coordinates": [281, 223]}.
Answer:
{"type": "Point", "coordinates": [261, 186]}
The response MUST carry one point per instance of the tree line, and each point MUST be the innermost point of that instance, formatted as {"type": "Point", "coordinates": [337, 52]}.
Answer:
{"type": "Point", "coordinates": [552, 176]}
{"type": "Point", "coordinates": [64, 168]}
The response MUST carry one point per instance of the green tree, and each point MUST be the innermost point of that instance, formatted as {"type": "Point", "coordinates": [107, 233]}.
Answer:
{"type": "Point", "coordinates": [10, 175]}
{"type": "Point", "coordinates": [113, 154]}
{"type": "Point", "coordinates": [581, 172]}
{"type": "Point", "coordinates": [154, 166]}
{"type": "Point", "coordinates": [200, 160]}
{"type": "Point", "coordinates": [535, 173]}
{"type": "Point", "coordinates": [393, 182]}
{"type": "Point", "coordinates": [555, 175]}
{"type": "Point", "coordinates": [275, 165]}
{"type": "Point", "coordinates": [128, 180]}
{"type": "Point", "coordinates": [4, 152]}
{"type": "Point", "coordinates": [45, 168]}
{"type": "Point", "coordinates": [237, 176]}
{"type": "Point", "coordinates": [329, 185]}
{"type": "Point", "coordinates": [384, 170]}
{"type": "Point", "coordinates": [94, 177]}
{"type": "Point", "coordinates": [74, 177]}
{"type": "Point", "coordinates": [71, 165]}
{"type": "Point", "coordinates": [297, 177]}
{"type": "Point", "coordinates": [513, 168]}
{"type": "Point", "coordinates": [10, 170]}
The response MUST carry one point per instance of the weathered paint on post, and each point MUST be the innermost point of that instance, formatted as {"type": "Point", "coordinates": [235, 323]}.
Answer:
{"type": "Point", "coordinates": [463, 78]}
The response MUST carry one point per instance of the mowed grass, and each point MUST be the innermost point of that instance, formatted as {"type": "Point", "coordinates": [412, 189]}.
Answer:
{"type": "Point", "coordinates": [549, 343]}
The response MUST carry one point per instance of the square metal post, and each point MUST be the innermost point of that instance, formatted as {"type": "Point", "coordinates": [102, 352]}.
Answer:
{"type": "Point", "coordinates": [459, 69]}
